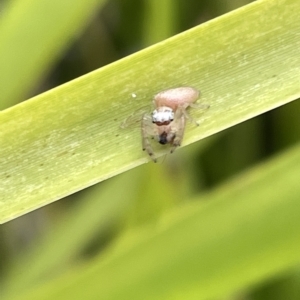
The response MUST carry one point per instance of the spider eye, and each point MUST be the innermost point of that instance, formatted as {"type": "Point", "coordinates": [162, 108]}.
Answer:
{"type": "Point", "coordinates": [163, 115]}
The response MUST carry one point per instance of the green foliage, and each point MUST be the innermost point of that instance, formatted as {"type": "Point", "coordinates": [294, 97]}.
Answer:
{"type": "Point", "coordinates": [32, 36]}
{"type": "Point", "coordinates": [70, 136]}
{"type": "Point", "coordinates": [242, 233]}
{"type": "Point", "coordinates": [153, 232]}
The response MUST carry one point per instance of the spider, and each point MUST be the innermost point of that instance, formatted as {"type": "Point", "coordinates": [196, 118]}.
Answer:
{"type": "Point", "coordinates": [167, 122]}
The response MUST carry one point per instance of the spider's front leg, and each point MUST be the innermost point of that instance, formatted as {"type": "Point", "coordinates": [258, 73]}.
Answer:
{"type": "Point", "coordinates": [146, 127]}
{"type": "Point", "coordinates": [179, 127]}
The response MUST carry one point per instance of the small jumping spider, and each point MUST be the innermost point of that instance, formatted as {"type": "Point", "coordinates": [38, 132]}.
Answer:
{"type": "Point", "coordinates": [167, 122]}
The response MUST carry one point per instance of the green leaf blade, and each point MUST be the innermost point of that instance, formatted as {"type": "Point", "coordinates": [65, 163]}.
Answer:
{"type": "Point", "coordinates": [70, 137]}
{"type": "Point", "coordinates": [32, 35]}
{"type": "Point", "coordinates": [230, 239]}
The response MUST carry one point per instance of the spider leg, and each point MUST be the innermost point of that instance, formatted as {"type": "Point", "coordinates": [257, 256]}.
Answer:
{"type": "Point", "coordinates": [200, 105]}
{"type": "Point", "coordinates": [181, 116]}
{"type": "Point", "coordinates": [178, 135]}
{"type": "Point", "coordinates": [146, 134]}
{"type": "Point", "coordinates": [182, 111]}
{"type": "Point", "coordinates": [193, 105]}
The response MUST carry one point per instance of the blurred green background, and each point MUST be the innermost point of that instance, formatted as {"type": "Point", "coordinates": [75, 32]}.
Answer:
{"type": "Point", "coordinates": [50, 241]}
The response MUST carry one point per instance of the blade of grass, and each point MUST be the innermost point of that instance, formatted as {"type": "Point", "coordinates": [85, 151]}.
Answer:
{"type": "Point", "coordinates": [101, 208]}
{"type": "Point", "coordinates": [69, 138]}
{"type": "Point", "coordinates": [160, 20]}
{"type": "Point", "coordinates": [238, 235]}
{"type": "Point", "coordinates": [32, 35]}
